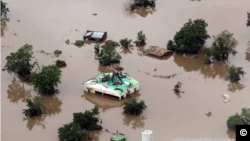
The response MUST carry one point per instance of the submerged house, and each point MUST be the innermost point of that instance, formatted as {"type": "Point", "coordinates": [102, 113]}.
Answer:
{"type": "Point", "coordinates": [114, 84]}
{"type": "Point", "coordinates": [118, 137]}
{"type": "Point", "coordinates": [156, 51]}
{"type": "Point", "coordinates": [93, 35]}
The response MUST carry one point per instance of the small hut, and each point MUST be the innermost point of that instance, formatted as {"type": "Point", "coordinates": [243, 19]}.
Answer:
{"type": "Point", "coordinates": [94, 35]}
{"type": "Point", "coordinates": [156, 51]}
{"type": "Point", "coordinates": [118, 137]}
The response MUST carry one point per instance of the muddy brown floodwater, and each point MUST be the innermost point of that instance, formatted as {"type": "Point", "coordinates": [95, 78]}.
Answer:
{"type": "Point", "coordinates": [47, 24]}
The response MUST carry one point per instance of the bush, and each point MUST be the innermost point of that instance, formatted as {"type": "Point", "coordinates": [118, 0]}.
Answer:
{"type": "Point", "coordinates": [60, 63]}
{"type": "Point", "coordinates": [71, 132]}
{"type": "Point", "coordinates": [141, 38]}
{"type": "Point", "coordinates": [79, 43]}
{"type": "Point", "coordinates": [171, 45]}
{"type": "Point", "coordinates": [208, 53]}
{"type": "Point", "coordinates": [57, 52]}
{"type": "Point", "coordinates": [111, 44]}
{"type": "Point", "coordinates": [109, 55]}
{"type": "Point", "coordinates": [126, 43]}
{"type": "Point", "coordinates": [242, 119]}
{"type": "Point", "coordinates": [177, 87]}
{"type": "Point", "coordinates": [36, 106]}
{"type": "Point", "coordinates": [87, 120]}
{"type": "Point", "coordinates": [235, 73]}
{"type": "Point", "coordinates": [97, 48]}
{"type": "Point", "coordinates": [46, 80]}
{"type": "Point", "coordinates": [248, 20]}
{"type": "Point", "coordinates": [19, 62]}
{"type": "Point", "coordinates": [133, 107]}
{"type": "Point", "coordinates": [191, 37]}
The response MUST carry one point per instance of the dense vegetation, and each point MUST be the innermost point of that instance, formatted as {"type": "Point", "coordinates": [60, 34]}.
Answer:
{"type": "Point", "coordinates": [71, 132]}
{"type": "Point", "coordinates": [88, 119]}
{"type": "Point", "coordinates": [3, 7]}
{"type": "Point", "coordinates": [79, 43]}
{"type": "Point", "coordinates": [133, 107]}
{"type": "Point", "coordinates": [46, 80]}
{"type": "Point", "coordinates": [111, 43]}
{"type": "Point", "coordinates": [109, 55]}
{"type": "Point", "coordinates": [36, 106]}
{"type": "Point", "coordinates": [248, 20]}
{"type": "Point", "coordinates": [242, 119]}
{"type": "Point", "coordinates": [190, 38]}
{"type": "Point", "coordinates": [19, 62]}
{"type": "Point", "coordinates": [126, 43]}
{"type": "Point", "coordinates": [61, 63]}
{"type": "Point", "coordinates": [235, 73]}
{"type": "Point", "coordinates": [141, 38]}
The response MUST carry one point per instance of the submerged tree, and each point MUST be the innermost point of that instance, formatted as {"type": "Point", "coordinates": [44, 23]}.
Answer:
{"type": "Point", "coordinates": [177, 87]}
{"type": "Point", "coordinates": [242, 119]}
{"type": "Point", "coordinates": [46, 80]}
{"type": "Point", "coordinates": [141, 38]}
{"type": "Point", "coordinates": [88, 119]}
{"type": "Point", "coordinates": [19, 62]}
{"type": "Point", "coordinates": [133, 107]}
{"type": "Point", "coordinates": [171, 45]}
{"type": "Point", "coordinates": [71, 132]}
{"type": "Point", "coordinates": [36, 106]}
{"type": "Point", "coordinates": [235, 73]}
{"type": "Point", "coordinates": [4, 8]}
{"type": "Point", "coordinates": [60, 63]}
{"type": "Point", "coordinates": [248, 20]}
{"type": "Point", "coordinates": [126, 43]}
{"type": "Point", "coordinates": [110, 43]}
{"type": "Point", "coordinates": [79, 43]}
{"type": "Point", "coordinates": [191, 37]}
{"type": "Point", "coordinates": [109, 55]}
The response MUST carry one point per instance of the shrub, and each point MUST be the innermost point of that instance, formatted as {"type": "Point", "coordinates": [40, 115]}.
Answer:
{"type": "Point", "coordinates": [36, 106]}
{"type": "Point", "coordinates": [191, 37]}
{"type": "Point", "coordinates": [111, 44]}
{"type": "Point", "coordinates": [177, 87]}
{"type": "Point", "coordinates": [126, 43]}
{"type": "Point", "coordinates": [242, 119]}
{"type": "Point", "coordinates": [171, 45]}
{"type": "Point", "coordinates": [108, 55]}
{"type": "Point", "coordinates": [60, 63]}
{"type": "Point", "coordinates": [133, 107]}
{"type": "Point", "coordinates": [71, 132]}
{"type": "Point", "coordinates": [57, 52]}
{"type": "Point", "coordinates": [19, 62]}
{"type": "Point", "coordinates": [46, 80]}
{"type": "Point", "coordinates": [141, 37]}
{"type": "Point", "coordinates": [79, 43]}
{"type": "Point", "coordinates": [235, 73]}
{"type": "Point", "coordinates": [248, 20]}
{"type": "Point", "coordinates": [97, 48]}
{"type": "Point", "coordinates": [208, 53]}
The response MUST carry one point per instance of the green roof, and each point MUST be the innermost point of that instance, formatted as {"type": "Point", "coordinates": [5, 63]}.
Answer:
{"type": "Point", "coordinates": [111, 86]}
{"type": "Point", "coordinates": [119, 137]}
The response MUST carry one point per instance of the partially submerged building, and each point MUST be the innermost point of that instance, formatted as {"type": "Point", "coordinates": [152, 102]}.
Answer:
{"type": "Point", "coordinates": [94, 35]}
{"type": "Point", "coordinates": [118, 137]}
{"type": "Point", "coordinates": [115, 84]}
{"type": "Point", "coordinates": [156, 51]}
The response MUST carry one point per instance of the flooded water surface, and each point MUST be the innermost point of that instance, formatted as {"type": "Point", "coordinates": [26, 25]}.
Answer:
{"type": "Point", "coordinates": [48, 24]}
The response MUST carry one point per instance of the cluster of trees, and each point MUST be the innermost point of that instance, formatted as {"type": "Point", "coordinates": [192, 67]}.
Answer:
{"type": "Point", "coordinates": [134, 107]}
{"type": "Point", "coordinates": [45, 80]}
{"type": "Point", "coordinates": [242, 119]}
{"type": "Point", "coordinates": [235, 73]}
{"type": "Point", "coordinates": [248, 20]}
{"type": "Point", "coordinates": [4, 7]}
{"type": "Point", "coordinates": [87, 120]}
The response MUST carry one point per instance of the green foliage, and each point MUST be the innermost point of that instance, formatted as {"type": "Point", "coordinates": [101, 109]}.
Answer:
{"type": "Point", "coordinates": [18, 62]}
{"type": "Point", "coordinates": [171, 45]}
{"type": "Point", "coordinates": [242, 119]}
{"type": "Point", "coordinates": [248, 20]}
{"type": "Point", "coordinates": [208, 53]}
{"type": "Point", "coordinates": [194, 56]}
{"type": "Point", "coordinates": [57, 52]}
{"type": "Point", "coordinates": [71, 132]}
{"type": "Point", "coordinates": [87, 120]}
{"type": "Point", "coordinates": [126, 43]}
{"type": "Point", "coordinates": [36, 106]}
{"type": "Point", "coordinates": [60, 63]}
{"type": "Point", "coordinates": [97, 48]}
{"type": "Point", "coordinates": [46, 80]}
{"type": "Point", "coordinates": [191, 37]}
{"type": "Point", "coordinates": [235, 73]}
{"type": "Point", "coordinates": [133, 107]}
{"type": "Point", "coordinates": [141, 37]}
{"type": "Point", "coordinates": [209, 114]}
{"type": "Point", "coordinates": [223, 45]}
{"type": "Point", "coordinates": [177, 87]}
{"type": "Point", "coordinates": [79, 43]}
{"type": "Point", "coordinates": [111, 43]}
{"type": "Point", "coordinates": [4, 8]}
{"type": "Point", "coordinates": [109, 55]}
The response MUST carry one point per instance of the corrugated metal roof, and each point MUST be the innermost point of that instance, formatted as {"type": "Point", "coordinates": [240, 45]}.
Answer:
{"type": "Point", "coordinates": [154, 50]}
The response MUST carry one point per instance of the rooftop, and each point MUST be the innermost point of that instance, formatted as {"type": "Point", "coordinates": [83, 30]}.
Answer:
{"type": "Point", "coordinates": [118, 137]}
{"type": "Point", "coordinates": [156, 51]}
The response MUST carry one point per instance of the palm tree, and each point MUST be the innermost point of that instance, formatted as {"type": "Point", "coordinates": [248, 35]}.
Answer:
{"type": "Point", "coordinates": [36, 106]}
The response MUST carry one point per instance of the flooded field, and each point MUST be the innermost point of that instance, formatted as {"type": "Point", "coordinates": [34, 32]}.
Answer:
{"type": "Point", "coordinates": [48, 24]}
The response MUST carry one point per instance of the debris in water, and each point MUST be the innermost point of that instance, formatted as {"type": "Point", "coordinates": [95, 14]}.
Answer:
{"type": "Point", "coordinates": [76, 29]}
{"type": "Point", "coordinates": [14, 34]}
{"type": "Point", "coordinates": [94, 14]}
{"type": "Point", "coordinates": [18, 20]}
{"type": "Point", "coordinates": [3, 69]}
{"type": "Point", "coordinates": [209, 114]}
{"type": "Point", "coordinates": [119, 68]}
{"type": "Point", "coordinates": [67, 41]}
{"type": "Point", "coordinates": [226, 98]}
{"type": "Point", "coordinates": [155, 69]}
{"type": "Point", "coordinates": [155, 75]}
